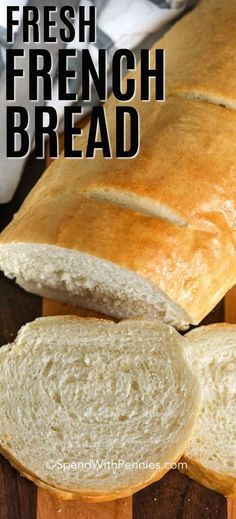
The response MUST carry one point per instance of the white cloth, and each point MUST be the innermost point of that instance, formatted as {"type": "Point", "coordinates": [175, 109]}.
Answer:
{"type": "Point", "coordinates": [120, 24]}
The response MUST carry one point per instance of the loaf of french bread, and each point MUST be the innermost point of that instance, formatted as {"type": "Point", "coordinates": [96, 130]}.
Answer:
{"type": "Point", "coordinates": [154, 235]}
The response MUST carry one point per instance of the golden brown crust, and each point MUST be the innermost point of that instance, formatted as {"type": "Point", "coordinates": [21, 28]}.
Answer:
{"type": "Point", "coordinates": [200, 52]}
{"type": "Point", "coordinates": [222, 483]}
{"type": "Point", "coordinates": [185, 263]}
{"type": "Point", "coordinates": [184, 169]}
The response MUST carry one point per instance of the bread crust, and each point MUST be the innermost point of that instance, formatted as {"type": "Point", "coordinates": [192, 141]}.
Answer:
{"type": "Point", "coordinates": [200, 53]}
{"type": "Point", "coordinates": [220, 482]}
{"type": "Point", "coordinates": [184, 263]}
{"type": "Point", "coordinates": [186, 182]}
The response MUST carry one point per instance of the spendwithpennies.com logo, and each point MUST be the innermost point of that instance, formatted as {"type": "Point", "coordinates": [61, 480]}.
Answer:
{"type": "Point", "coordinates": [95, 465]}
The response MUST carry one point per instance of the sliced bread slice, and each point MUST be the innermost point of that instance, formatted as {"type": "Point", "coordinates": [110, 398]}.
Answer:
{"type": "Point", "coordinates": [211, 455]}
{"type": "Point", "coordinates": [94, 410]}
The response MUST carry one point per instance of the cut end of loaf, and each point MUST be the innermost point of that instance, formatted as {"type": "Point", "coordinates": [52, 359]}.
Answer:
{"type": "Point", "coordinates": [84, 391]}
{"type": "Point", "coordinates": [84, 280]}
{"type": "Point", "coordinates": [211, 455]}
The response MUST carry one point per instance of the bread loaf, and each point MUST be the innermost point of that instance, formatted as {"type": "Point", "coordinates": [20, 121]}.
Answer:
{"type": "Point", "coordinates": [155, 235]}
{"type": "Point", "coordinates": [211, 455]}
{"type": "Point", "coordinates": [76, 392]}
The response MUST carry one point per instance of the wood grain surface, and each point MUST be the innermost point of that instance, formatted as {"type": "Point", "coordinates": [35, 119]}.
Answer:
{"type": "Point", "coordinates": [173, 497]}
{"type": "Point", "coordinates": [231, 509]}
{"type": "Point", "coordinates": [50, 507]}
